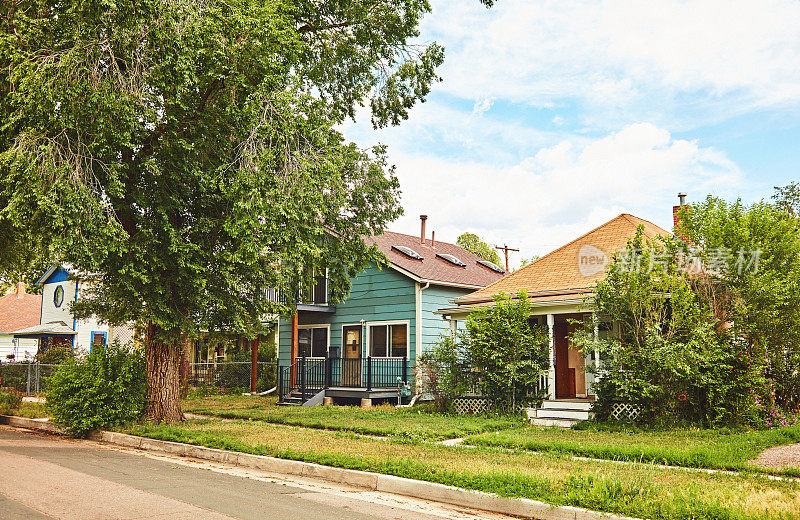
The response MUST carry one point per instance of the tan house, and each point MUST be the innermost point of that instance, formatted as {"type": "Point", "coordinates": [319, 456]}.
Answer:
{"type": "Point", "coordinates": [559, 284]}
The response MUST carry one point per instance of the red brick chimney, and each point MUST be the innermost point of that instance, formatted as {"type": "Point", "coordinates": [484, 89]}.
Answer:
{"type": "Point", "coordinates": [422, 219]}
{"type": "Point", "coordinates": [20, 290]}
{"type": "Point", "coordinates": [676, 218]}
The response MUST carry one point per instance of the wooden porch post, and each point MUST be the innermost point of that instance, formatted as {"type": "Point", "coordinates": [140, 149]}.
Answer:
{"type": "Point", "coordinates": [551, 375]}
{"type": "Point", "coordinates": [293, 349]}
{"type": "Point", "coordinates": [254, 364]}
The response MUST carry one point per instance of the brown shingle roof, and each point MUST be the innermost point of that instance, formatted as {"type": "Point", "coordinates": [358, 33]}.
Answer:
{"type": "Point", "coordinates": [433, 268]}
{"type": "Point", "coordinates": [19, 313]}
{"type": "Point", "coordinates": [571, 267]}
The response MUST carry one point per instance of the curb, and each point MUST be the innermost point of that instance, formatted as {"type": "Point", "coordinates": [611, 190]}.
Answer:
{"type": "Point", "coordinates": [521, 507]}
{"type": "Point", "coordinates": [32, 424]}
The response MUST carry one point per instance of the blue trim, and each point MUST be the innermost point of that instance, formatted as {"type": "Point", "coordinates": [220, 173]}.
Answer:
{"type": "Point", "coordinates": [74, 320]}
{"type": "Point", "coordinates": [55, 274]}
{"type": "Point", "coordinates": [96, 333]}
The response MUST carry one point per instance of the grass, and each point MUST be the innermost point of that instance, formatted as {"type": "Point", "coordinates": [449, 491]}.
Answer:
{"type": "Point", "coordinates": [31, 410]}
{"type": "Point", "coordinates": [641, 490]}
{"type": "Point", "coordinates": [411, 423]}
{"type": "Point", "coordinates": [717, 449]}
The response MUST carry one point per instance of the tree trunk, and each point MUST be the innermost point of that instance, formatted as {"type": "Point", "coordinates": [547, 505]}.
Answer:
{"type": "Point", "coordinates": [185, 344]}
{"type": "Point", "coordinates": [163, 381]}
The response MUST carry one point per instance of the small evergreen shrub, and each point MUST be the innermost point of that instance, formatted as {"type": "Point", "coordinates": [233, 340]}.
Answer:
{"type": "Point", "coordinates": [10, 400]}
{"type": "Point", "coordinates": [106, 388]}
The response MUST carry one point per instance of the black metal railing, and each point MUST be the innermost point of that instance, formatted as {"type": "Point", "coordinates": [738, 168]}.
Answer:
{"type": "Point", "coordinates": [307, 376]}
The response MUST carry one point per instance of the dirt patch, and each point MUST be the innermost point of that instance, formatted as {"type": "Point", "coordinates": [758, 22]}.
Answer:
{"type": "Point", "coordinates": [779, 457]}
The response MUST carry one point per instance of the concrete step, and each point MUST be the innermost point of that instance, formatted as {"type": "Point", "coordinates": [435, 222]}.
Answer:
{"type": "Point", "coordinates": [558, 404]}
{"type": "Point", "coordinates": [550, 413]}
{"type": "Point", "coordinates": [562, 423]}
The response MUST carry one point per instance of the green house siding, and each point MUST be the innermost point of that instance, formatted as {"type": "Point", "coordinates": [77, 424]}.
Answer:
{"type": "Point", "coordinates": [379, 295]}
{"type": "Point", "coordinates": [433, 326]}
{"type": "Point", "coordinates": [375, 295]}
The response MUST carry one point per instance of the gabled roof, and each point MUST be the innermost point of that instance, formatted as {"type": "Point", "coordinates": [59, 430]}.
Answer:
{"type": "Point", "coordinates": [52, 328]}
{"type": "Point", "coordinates": [433, 268]}
{"type": "Point", "coordinates": [19, 313]}
{"type": "Point", "coordinates": [571, 269]}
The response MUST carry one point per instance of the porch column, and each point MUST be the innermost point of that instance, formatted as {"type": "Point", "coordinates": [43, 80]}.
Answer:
{"type": "Point", "coordinates": [551, 374]}
{"type": "Point", "coordinates": [453, 327]}
{"type": "Point", "coordinates": [596, 351]}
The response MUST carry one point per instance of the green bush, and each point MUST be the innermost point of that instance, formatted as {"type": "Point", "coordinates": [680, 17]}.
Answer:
{"type": "Point", "coordinates": [106, 388]}
{"type": "Point", "coordinates": [10, 400]}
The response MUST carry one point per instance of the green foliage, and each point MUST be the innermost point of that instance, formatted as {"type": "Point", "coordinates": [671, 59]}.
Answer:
{"type": "Point", "coordinates": [187, 153]}
{"type": "Point", "coordinates": [10, 400]}
{"type": "Point", "coordinates": [105, 389]}
{"type": "Point", "coordinates": [509, 353]}
{"type": "Point", "coordinates": [499, 352]}
{"type": "Point", "coordinates": [670, 353]}
{"type": "Point", "coordinates": [763, 299]}
{"type": "Point", "coordinates": [473, 243]}
{"type": "Point", "coordinates": [526, 261]}
{"type": "Point", "coordinates": [56, 353]}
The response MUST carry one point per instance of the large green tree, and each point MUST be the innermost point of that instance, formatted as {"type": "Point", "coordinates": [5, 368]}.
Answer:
{"type": "Point", "coordinates": [475, 244]}
{"type": "Point", "coordinates": [185, 153]}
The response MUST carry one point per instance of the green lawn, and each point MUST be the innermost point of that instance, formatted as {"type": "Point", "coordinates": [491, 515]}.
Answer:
{"type": "Point", "coordinates": [411, 423]}
{"type": "Point", "coordinates": [31, 410]}
{"type": "Point", "coordinates": [638, 489]}
{"type": "Point", "coordinates": [719, 449]}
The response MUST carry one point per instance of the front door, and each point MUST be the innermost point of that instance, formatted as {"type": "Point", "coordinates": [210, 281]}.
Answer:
{"type": "Point", "coordinates": [351, 358]}
{"type": "Point", "coordinates": [565, 376]}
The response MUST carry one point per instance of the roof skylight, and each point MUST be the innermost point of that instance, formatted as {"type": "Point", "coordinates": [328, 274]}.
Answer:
{"type": "Point", "coordinates": [408, 252]}
{"type": "Point", "coordinates": [491, 265]}
{"type": "Point", "coordinates": [452, 259]}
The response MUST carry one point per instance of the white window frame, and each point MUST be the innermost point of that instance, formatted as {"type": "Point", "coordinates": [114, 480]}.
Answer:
{"type": "Point", "coordinates": [370, 324]}
{"type": "Point", "coordinates": [317, 326]}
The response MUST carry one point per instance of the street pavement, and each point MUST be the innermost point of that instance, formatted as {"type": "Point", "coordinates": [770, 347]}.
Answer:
{"type": "Point", "coordinates": [49, 477]}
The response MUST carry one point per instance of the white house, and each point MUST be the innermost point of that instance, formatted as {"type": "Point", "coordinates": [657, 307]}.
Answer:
{"type": "Point", "coordinates": [60, 290]}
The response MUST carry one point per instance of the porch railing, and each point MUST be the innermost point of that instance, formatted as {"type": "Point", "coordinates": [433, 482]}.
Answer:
{"type": "Point", "coordinates": [307, 376]}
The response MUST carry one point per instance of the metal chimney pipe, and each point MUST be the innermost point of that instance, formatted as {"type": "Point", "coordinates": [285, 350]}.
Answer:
{"type": "Point", "coordinates": [682, 198]}
{"type": "Point", "coordinates": [433, 237]}
{"type": "Point", "coordinates": [422, 219]}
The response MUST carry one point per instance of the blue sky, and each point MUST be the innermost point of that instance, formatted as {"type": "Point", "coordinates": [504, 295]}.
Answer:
{"type": "Point", "coordinates": [555, 116]}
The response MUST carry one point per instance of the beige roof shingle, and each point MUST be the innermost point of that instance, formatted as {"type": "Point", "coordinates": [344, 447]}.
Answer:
{"type": "Point", "coordinates": [572, 268]}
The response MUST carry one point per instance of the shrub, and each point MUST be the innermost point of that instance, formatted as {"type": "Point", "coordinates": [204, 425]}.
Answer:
{"type": "Point", "coordinates": [104, 389]}
{"type": "Point", "coordinates": [10, 400]}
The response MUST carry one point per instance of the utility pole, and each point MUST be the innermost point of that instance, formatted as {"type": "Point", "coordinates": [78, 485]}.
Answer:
{"type": "Point", "coordinates": [505, 249]}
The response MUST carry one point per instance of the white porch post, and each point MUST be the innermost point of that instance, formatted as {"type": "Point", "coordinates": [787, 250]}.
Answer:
{"type": "Point", "coordinates": [453, 327]}
{"type": "Point", "coordinates": [596, 352]}
{"type": "Point", "coordinates": [551, 374]}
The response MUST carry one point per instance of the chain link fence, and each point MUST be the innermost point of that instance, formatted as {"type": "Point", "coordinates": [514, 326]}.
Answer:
{"type": "Point", "coordinates": [31, 378]}
{"type": "Point", "coordinates": [230, 376]}
{"type": "Point", "coordinates": [27, 377]}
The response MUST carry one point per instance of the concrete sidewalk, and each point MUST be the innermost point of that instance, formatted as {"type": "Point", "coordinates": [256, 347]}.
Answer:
{"type": "Point", "coordinates": [54, 477]}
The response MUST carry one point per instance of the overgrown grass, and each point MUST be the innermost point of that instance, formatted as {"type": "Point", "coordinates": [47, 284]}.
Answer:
{"type": "Point", "coordinates": [32, 410]}
{"type": "Point", "coordinates": [412, 423]}
{"type": "Point", "coordinates": [641, 490]}
{"type": "Point", "coordinates": [717, 449]}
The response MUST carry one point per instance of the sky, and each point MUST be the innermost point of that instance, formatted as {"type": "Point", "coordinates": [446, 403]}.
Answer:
{"type": "Point", "coordinates": [553, 117]}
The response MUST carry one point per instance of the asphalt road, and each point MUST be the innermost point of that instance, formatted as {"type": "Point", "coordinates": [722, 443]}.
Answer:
{"type": "Point", "coordinates": [45, 477]}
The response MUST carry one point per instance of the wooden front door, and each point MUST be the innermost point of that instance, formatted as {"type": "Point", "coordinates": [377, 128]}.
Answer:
{"type": "Point", "coordinates": [565, 377]}
{"type": "Point", "coordinates": [351, 357]}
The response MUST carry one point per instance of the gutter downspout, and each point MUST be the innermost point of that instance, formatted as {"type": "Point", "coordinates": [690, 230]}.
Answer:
{"type": "Point", "coordinates": [418, 332]}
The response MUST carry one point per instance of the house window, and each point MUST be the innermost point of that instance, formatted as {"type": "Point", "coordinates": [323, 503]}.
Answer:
{"type": "Point", "coordinates": [390, 340]}
{"type": "Point", "coordinates": [312, 341]}
{"type": "Point", "coordinates": [98, 340]}
{"type": "Point", "coordinates": [58, 296]}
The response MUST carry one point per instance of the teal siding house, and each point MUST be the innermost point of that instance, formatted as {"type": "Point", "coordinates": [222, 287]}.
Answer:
{"type": "Point", "coordinates": [367, 346]}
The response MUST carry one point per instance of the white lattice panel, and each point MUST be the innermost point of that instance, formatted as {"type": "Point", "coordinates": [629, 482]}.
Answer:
{"type": "Point", "coordinates": [626, 411]}
{"type": "Point", "coordinates": [471, 405]}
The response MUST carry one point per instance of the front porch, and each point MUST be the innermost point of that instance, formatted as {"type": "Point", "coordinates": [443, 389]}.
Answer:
{"type": "Point", "coordinates": [308, 379]}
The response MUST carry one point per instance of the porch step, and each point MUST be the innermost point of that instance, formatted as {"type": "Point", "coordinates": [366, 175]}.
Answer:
{"type": "Point", "coordinates": [562, 423]}
{"type": "Point", "coordinates": [552, 413]}
{"type": "Point", "coordinates": [561, 413]}
{"type": "Point", "coordinates": [557, 404]}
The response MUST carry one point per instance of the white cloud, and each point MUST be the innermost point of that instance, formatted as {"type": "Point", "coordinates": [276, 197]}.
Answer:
{"type": "Point", "coordinates": [624, 60]}
{"type": "Point", "coordinates": [483, 105]}
{"type": "Point", "coordinates": [561, 191]}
